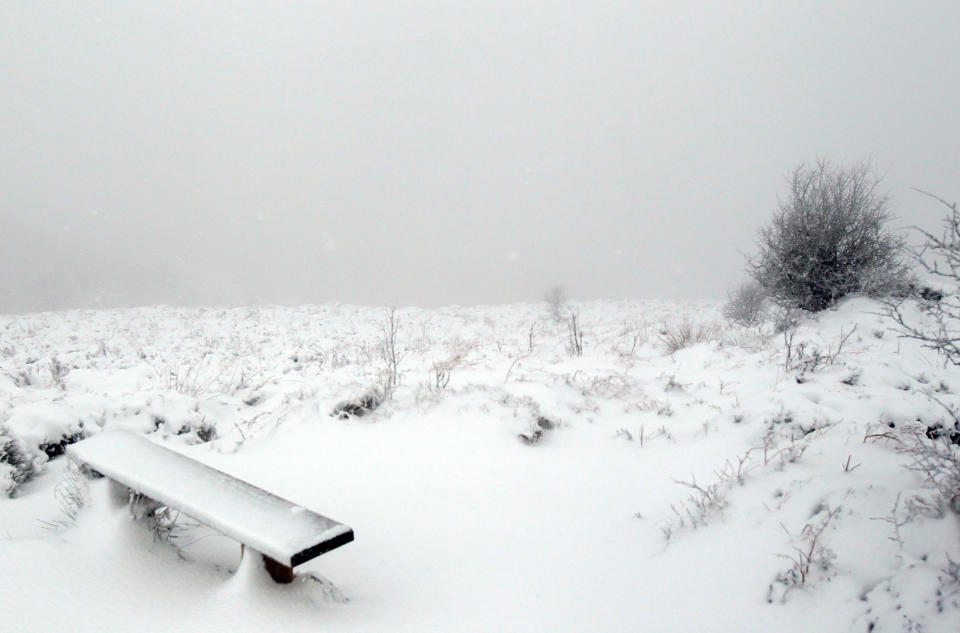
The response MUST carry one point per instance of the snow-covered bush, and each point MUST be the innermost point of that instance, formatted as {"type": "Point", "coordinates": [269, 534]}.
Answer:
{"type": "Point", "coordinates": [199, 433]}
{"type": "Point", "coordinates": [828, 240]}
{"type": "Point", "coordinates": [59, 447]}
{"type": "Point", "coordinates": [359, 406]}
{"type": "Point", "coordinates": [17, 465]}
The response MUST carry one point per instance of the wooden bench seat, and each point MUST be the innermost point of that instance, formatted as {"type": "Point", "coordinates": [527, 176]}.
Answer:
{"type": "Point", "coordinates": [284, 533]}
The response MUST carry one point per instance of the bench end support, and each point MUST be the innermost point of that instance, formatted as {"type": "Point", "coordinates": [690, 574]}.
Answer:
{"type": "Point", "coordinates": [277, 570]}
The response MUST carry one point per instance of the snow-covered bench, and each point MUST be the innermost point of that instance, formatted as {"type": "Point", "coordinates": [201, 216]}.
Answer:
{"type": "Point", "coordinates": [284, 533]}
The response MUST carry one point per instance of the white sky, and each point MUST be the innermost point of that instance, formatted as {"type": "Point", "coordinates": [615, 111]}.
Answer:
{"type": "Point", "coordinates": [443, 152]}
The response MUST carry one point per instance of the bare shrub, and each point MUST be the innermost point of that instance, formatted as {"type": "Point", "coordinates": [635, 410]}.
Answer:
{"type": "Point", "coordinates": [745, 304]}
{"type": "Point", "coordinates": [71, 491]}
{"type": "Point", "coordinates": [785, 318]}
{"type": "Point", "coordinates": [388, 352]}
{"type": "Point", "coordinates": [810, 555]}
{"type": "Point", "coordinates": [937, 458]}
{"type": "Point", "coordinates": [702, 503]}
{"type": "Point", "coordinates": [58, 373]}
{"type": "Point", "coordinates": [574, 336]}
{"type": "Point", "coordinates": [442, 370]}
{"type": "Point", "coordinates": [949, 591]}
{"type": "Point", "coordinates": [935, 451]}
{"type": "Point", "coordinates": [685, 333]}
{"type": "Point", "coordinates": [805, 358]}
{"type": "Point", "coordinates": [828, 240]}
{"type": "Point", "coordinates": [705, 502]}
{"type": "Point", "coordinates": [201, 377]}
{"type": "Point", "coordinates": [635, 333]}
{"type": "Point", "coordinates": [939, 257]}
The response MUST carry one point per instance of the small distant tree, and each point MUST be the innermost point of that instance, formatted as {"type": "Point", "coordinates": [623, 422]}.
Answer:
{"type": "Point", "coordinates": [388, 351]}
{"type": "Point", "coordinates": [556, 299]}
{"type": "Point", "coordinates": [828, 240]}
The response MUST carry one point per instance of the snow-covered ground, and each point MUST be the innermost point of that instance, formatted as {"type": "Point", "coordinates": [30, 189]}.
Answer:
{"type": "Point", "coordinates": [507, 485]}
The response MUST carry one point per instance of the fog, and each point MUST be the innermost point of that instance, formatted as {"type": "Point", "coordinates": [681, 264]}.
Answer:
{"type": "Point", "coordinates": [437, 153]}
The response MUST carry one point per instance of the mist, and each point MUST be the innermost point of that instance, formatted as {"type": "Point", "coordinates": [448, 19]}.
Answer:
{"type": "Point", "coordinates": [437, 153]}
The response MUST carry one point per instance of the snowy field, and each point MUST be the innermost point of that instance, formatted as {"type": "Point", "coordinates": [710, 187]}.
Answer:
{"type": "Point", "coordinates": [508, 484]}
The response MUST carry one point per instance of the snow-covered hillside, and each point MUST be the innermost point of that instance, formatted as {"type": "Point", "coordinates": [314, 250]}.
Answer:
{"type": "Point", "coordinates": [507, 483]}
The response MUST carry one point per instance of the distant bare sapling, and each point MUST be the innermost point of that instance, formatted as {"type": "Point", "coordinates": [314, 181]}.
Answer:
{"type": "Point", "coordinates": [556, 299]}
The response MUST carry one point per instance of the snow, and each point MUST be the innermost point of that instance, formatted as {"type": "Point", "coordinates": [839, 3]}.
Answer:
{"type": "Point", "coordinates": [461, 525]}
{"type": "Point", "coordinates": [256, 518]}
{"type": "Point", "coordinates": [41, 423]}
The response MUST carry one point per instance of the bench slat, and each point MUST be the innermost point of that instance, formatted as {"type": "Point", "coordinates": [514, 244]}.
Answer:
{"type": "Point", "coordinates": [263, 521]}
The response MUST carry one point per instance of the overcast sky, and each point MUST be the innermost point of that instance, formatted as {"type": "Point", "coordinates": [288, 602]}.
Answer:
{"type": "Point", "coordinates": [435, 153]}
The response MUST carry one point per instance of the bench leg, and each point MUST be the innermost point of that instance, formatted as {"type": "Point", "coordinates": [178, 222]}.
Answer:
{"type": "Point", "coordinates": [119, 494]}
{"type": "Point", "coordinates": [277, 570]}
{"type": "Point", "coordinates": [142, 506]}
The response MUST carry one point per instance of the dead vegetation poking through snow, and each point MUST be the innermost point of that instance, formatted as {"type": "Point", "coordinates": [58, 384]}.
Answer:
{"type": "Point", "coordinates": [471, 406]}
{"type": "Point", "coordinates": [685, 333]}
{"type": "Point", "coordinates": [810, 556]}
